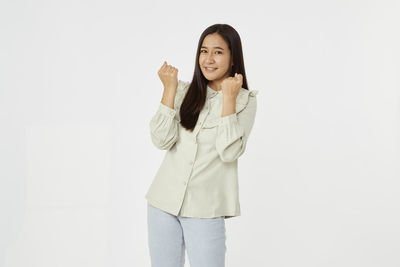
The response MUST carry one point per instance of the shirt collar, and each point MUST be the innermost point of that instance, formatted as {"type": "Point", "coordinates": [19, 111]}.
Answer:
{"type": "Point", "coordinates": [211, 92]}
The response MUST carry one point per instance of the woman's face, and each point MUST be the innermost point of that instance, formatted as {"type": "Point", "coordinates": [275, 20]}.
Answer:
{"type": "Point", "coordinates": [215, 54]}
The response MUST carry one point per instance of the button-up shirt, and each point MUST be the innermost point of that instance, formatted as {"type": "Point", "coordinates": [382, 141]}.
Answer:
{"type": "Point", "coordinates": [198, 176]}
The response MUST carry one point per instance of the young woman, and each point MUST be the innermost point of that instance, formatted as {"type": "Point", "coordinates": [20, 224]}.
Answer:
{"type": "Point", "coordinates": [203, 126]}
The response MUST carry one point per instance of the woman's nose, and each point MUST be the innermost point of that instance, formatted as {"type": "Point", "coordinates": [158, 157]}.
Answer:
{"type": "Point", "coordinates": [210, 57]}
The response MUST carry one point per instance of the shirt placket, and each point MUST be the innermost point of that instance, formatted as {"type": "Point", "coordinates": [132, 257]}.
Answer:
{"type": "Point", "coordinates": [202, 117]}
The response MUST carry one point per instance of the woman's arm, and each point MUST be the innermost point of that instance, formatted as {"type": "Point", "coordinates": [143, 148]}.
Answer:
{"type": "Point", "coordinates": [164, 127]}
{"type": "Point", "coordinates": [234, 131]}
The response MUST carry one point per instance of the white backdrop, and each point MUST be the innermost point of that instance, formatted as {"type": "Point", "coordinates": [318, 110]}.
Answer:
{"type": "Point", "coordinates": [319, 181]}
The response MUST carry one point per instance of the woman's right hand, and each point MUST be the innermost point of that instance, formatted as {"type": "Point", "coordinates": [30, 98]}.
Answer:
{"type": "Point", "coordinates": [169, 77]}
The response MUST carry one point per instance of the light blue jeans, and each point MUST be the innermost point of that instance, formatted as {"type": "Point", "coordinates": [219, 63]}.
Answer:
{"type": "Point", "coordinates": [169, 235]}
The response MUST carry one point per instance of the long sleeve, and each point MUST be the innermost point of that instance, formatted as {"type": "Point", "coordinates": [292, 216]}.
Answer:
{"type": "Point", "coordinates": [164, 125]}
{"type": "Point", "coordinates": [234, 130]}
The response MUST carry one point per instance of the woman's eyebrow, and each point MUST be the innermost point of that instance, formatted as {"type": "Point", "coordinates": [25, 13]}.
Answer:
{"type": "Point", "coordinates": [217, 47]}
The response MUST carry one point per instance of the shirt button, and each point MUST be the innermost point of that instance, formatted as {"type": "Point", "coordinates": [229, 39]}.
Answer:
{"type": "Point", "coordinates": [184, 183]}
{"type": "Point", "coordinates": [191, 163]}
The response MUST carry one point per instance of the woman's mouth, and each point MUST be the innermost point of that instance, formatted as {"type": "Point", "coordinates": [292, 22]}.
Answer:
{"type": "Point", "coordinates": [210, 69]}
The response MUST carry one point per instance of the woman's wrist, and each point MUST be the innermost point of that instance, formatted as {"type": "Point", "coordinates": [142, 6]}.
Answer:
{"type": "Point", "coordinates": [228, 106]}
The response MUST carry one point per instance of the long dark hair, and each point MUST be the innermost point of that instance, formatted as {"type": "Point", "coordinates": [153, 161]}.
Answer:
{"type": "Point", "coordinates": [196, 94]}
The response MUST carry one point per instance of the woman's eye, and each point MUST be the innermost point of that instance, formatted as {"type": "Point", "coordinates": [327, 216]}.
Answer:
{"type": "Point", "coordinates": [205, 51]}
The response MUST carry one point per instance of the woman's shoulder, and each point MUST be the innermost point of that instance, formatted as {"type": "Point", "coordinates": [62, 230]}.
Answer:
{"type": "Point", "coordinates": [182, 85]}
{"type": "Point", "coordinates": [246, 92]}
{"type": "Point", "coordinates": [245, 97]}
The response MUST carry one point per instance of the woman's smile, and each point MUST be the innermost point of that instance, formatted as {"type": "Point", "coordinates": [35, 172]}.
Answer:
{"type": "Point", "coordinates": [210, 69]}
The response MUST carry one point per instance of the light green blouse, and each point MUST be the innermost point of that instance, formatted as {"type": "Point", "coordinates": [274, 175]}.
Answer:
{"type": "Point", "coordinates": [199, 173]}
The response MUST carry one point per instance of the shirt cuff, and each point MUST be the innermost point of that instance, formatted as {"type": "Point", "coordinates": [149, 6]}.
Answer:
{"type": "Point", "coordinates": [229, 129]}
{"type": "Point", "coordinates": [166, 110]}
{"type": "Point", "coordinates": [230, 119]}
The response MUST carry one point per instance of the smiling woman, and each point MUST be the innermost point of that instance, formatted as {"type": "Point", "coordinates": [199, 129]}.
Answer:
{"type": "Point", "coordinates": [215, 60]}
{"type": "Point", "coordinates": [204, 126]}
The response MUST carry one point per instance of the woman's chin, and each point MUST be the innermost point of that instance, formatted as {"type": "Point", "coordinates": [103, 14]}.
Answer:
{"type": "Point", "coordinates": [210, 78]}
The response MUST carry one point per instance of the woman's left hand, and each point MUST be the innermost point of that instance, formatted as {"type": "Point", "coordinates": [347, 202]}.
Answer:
{"type": "Point", "coordinates": [231, 86]}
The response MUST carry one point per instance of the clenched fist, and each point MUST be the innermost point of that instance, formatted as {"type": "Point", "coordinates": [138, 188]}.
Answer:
{"type": "Point", "coordinates": [169, 77]}
{"type": "Point", "coordinates": [231, 86]}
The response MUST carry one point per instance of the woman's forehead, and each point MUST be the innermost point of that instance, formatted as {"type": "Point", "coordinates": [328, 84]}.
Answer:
{"type": "Point", "coordinates": [214, 41]}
